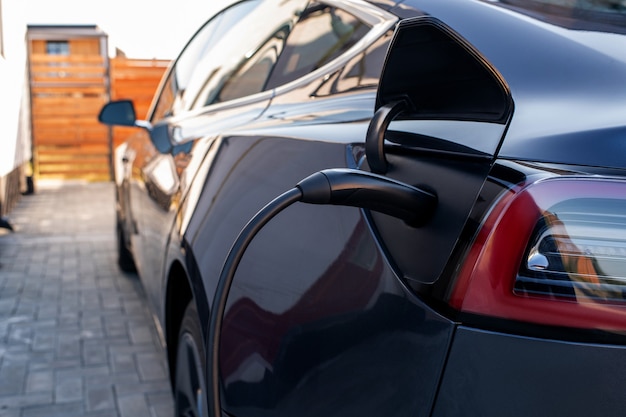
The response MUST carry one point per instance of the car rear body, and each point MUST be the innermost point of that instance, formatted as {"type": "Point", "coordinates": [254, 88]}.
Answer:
{"type": "Point", "coordinates": [508, 301]}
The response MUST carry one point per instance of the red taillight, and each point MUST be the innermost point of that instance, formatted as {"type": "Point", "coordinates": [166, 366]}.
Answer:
{"type": "Point", "coordinates": [553, 253]}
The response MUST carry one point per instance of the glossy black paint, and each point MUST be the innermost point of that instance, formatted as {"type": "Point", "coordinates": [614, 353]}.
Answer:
{"type": "Point", "coordinates": [560, 101]}
{"type": "Point", "coordinates": [336, 310]}
{"type": "Point", "coordinates": [224, 215]}
{"type": "Point", "coordinates": [491, 373]}
{"type": "Point", "coordinates": [439, 75]}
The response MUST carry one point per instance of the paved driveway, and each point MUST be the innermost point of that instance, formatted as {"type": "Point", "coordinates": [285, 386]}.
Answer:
{"type": "Point", "coordinates": [76, 336]}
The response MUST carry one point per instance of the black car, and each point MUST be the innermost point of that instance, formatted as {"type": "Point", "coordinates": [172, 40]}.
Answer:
{"type": "Point", "coordinates": [387, 208]}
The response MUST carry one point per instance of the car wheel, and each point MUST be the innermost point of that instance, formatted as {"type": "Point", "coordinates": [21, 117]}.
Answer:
{"type": "Point", "coordinates": [190, 382]}
{"type": "Point", "coordinates": [125, 259]}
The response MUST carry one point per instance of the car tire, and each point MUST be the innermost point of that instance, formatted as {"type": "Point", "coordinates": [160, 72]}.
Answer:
{"type": "Point", "coordinates": [125, 259]}
{"type": "Point", "coordinates": [190, 382]}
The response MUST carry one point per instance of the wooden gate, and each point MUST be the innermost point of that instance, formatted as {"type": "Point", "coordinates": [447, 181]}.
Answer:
{"type": "Point", "coordinates": [67, 93]}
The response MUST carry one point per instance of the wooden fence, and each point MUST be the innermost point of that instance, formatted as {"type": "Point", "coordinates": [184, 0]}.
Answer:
{"type": "Point", "coordinates": [67, 93]}
{"type": "Point", "coordinates": [134, 79]}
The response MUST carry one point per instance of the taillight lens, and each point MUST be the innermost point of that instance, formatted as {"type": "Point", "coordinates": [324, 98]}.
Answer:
{"type": "Point", "coordinates": [552, 252]}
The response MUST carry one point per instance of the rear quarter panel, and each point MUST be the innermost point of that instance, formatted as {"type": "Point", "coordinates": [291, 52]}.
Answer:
{"type": "Point", "coordinates": [317, 323]}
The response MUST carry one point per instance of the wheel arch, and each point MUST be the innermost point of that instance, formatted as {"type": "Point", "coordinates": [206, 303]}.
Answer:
{"type": "Point", "coordinates": [178, 294]}
{"type": "Point", "coordinates": [183, 286]}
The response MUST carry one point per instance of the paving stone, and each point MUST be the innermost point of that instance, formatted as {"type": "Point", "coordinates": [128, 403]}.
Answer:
{"type": "Point", "coordinates": [160, 399]}
{"type": "Point", "coordinates": [100, 398]}
{"type": "Point", "coordinates": [56, 364]}
{"type": "Point", "coordinates": [82, 371]}
{"type": "Point", "coordinates": [25, 400]}
{"type": "Point", "coordinates": [68, 390]}
{"type": "Point", "coordinates": [94, 355]}
{"type": "Point", "coordinates": [73, 409]}
{"type": "Point", "coordinates": [133, 406]}
{"type": "Point", "coordinates": [151, 367]}
{"type": "Point", "coordinates": [26, 309]}
{"type": "Point", "coordinates": [44, 340]}
{"type": "Point", "coordinates": [162, 410]}
{"type": "Point", "coordinates": [141, 387]}
{"type": "Point", "coordinates": [12, 377]}
{"type": "Point", "coordinates": [10, 412]}
{"type": "Point", "coordinates": [76, 335]}
{"type": "Point", "coordinates": [123, 363]}
{"type": "Point", "coordinates": [115, 381]}
{"type": "Point", "coordinates": [140, 333]}
{"type": "Point", "coordinates": [106, 413]}
{"type": "Point", "coordinates": [4, 330]}
{"type": "Point", "coordinates": [21, 334]}
{"type": "Point", "coordinates": [111, 301]}
{"type": "Point", "coordinates": [134, 307]}
{"type": "Point", "coordinates": [40, 381]}
{"type": "Point", "coordinates": [68, 345]}
{"type": "Point", "coordinates": [113, 328]}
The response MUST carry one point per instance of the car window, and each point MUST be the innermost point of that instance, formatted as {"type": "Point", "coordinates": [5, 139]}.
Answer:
{"type": "Point", "coordinates": [323, 33]}
{"type": "Point", "coordinates": [288, 52]}
{"type": "Point", "coordinates": [241, 64]}
{"type": "Point", "coordinates": [224, 62]}
{"type": "Point", "coordinates": [175, 93]}
{"type": "Point", "coordinates": [253, 71]}
{"type": "Point", "coordinates": [230, 57]}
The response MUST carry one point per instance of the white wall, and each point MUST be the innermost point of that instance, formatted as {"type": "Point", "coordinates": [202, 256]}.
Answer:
{"type": "Point", "coordinates": [15, 141]}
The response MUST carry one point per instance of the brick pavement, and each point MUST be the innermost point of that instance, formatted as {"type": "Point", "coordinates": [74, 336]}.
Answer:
{"type": "Point", "coordinates": [76, 337]}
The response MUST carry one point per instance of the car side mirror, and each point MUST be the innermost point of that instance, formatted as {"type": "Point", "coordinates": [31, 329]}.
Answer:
{"type": "Point", "coordinates": [121, 113]}
{"type": "Point", "coordinates": [118, 113]}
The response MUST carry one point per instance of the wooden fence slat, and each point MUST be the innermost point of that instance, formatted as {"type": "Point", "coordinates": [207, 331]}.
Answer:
{"type": "Point", "coordinates": [48, 137]}
{"type": "Point", "coordinates": [78, 59]}
{"type": "Point", "coordinates": [76, 122]}
{"type": "Point", "coordinates": [68, 80]}
{"type": "Point", "coordinates": [88, 148]}
{"type": "Point", "coordinates": [44, 104]}
{"type": "Point", "coordinates": [61, 70]}
{"type": "Point", "coordinates": [82, 132]}
{"type": "Point", "coordinates": [61, 100]}
{"type": "Point", "coordinates": [48, 111]}
{"type": "Point", "coordinates": [68, 91]}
